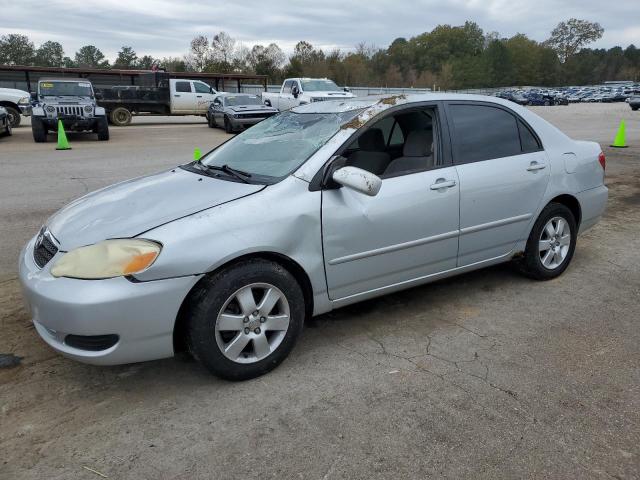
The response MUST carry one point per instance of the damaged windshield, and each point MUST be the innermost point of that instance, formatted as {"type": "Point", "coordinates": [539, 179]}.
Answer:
{"type": "Point", "coordinates": [278, 145]}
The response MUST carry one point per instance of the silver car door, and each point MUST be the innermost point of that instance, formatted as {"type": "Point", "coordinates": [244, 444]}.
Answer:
{"type": "Point", "coordinates": [408, 231]}
{"type": "Point", "coordinates": [502, 176]}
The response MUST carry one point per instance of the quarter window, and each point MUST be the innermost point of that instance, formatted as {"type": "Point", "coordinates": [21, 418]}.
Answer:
{"type": "Point", "coordinates": [483, 133]}
{"type": "Point", "coordinates": [183, 87]}
{"type": "Point", "coordinates": [527, 139]}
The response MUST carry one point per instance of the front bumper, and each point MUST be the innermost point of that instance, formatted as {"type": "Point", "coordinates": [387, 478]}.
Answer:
{"type": "Point", "coordinates": [142, 314]}
{"type": "Point", "coordinates": [25, 110]}
{"type": "Point", "coordinates": [245, 122]}
{"type": "Point", "coordinates": [72, 123]}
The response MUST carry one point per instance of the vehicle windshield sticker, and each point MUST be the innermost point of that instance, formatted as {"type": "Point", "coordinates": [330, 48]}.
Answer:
{"type": "Point", "coordinates": [84, 84]}
{"type": "Point", "coordinates": [46, 85]}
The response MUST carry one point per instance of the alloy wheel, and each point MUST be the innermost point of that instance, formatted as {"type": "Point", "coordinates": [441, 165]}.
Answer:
{"type": "Point", "coordinates": [554, 243]}
{"type": "Point", "coordinates": [252, 323]}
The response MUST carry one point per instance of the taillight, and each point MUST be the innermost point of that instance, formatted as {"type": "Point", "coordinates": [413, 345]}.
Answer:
{"type": "Point", "coordinates": [602, 160]}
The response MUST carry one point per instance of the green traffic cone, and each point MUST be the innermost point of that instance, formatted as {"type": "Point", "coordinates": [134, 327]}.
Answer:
{"type": "Point", "coordinates": [196, 154]}
{"type": "Point", "coordinates": [619, 141]}
{"type": "Point", "coordinates": [63, 143]}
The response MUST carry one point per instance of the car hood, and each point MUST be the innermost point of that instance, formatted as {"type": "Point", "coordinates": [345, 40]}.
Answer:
{"type": "Point", "coordinates": [132, 207]}
{"type": "Point", "coordinates": [251, 108]}
{"type": "Point", "coordinates": [14, 92]}
{"type": "Point", "coordinates": [330, 93]}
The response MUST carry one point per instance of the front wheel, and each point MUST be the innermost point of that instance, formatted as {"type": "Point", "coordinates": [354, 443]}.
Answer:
{"type": "Point", "coordinates": [211, 121]}
{"type": "Point", "coordinates": [39, 130]}
{"type": "Point", "coordinates": [551, 243]}
{"type": "Point", "coordinates": [7, 132]}
{"type": "Point", "coordinates": [227, 125]}
{"type": "Point", "coordinates": [14, 116]}
{"type": "Point", "coordinates": [244, 320]}
{"type": "Point", "coordinates": [102, 128]}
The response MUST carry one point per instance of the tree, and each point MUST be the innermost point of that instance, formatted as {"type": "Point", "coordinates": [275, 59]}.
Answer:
{"type": "Point", "coordinates": [16, 49]}
{"type": "Point", "coordinates": [146, 62]}
{"type": "Point", "coordinates": [127, 58]}
{"type": "Point", "coordinates": [223, 48]}
{"type": "Point", "coordinates": [50, 54]}
{"type": "Point", "coordinates": [499, 64]}
{"type": "Point", "coordinates": [90, 56]}
{"type": "Point", "coordinates": [200, 53]}
{"type": "Point", "coordinates": [266, 60]}
{"type": "Point", "coordinates": [569, 37]}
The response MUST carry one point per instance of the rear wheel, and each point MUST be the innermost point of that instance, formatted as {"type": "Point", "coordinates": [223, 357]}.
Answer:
{"type": "Point", "coordinates": [14, 116]}
{"type": "Point", "coordinates": [102, 128]}
{"type": "Point", "coordinates": [244, 320]}
{"type": "Point", "coordinates": [551, 243]}
{"type": "Point", "coordinates": [38, 129]}
{"type": "Point", "coordinates": [120, 117]}
{"type": "Point", "coordinates": [634, 108]}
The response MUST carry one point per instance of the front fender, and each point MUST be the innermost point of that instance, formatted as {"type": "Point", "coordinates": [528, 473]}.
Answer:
{"type": "Point", "coordinates": [283, 218]}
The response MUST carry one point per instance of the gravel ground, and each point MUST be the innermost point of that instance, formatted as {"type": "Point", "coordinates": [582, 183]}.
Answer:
{"type": "Point", "coordinates": [486, 375]}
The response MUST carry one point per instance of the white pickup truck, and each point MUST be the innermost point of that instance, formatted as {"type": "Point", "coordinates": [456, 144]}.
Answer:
{"type": "Point", "coordinates": [299, 91]}
{"type": "Point", "coordinates": [168, 96]}
{"type": "Point", "coordinates": [16, 102]}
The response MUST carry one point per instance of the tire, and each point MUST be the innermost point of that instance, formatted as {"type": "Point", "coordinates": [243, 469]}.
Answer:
{"type": "Point", "coordinates": [120, 117]}
{"type": "Point", "coordinates": [102, 129]}
{"type": "Point", "coordinates": [227, 125]}
{"type": "Point", "coordinates": [211, 122]}
{"type": "Point", "coordinates": [535, 263]}
{"type": "Point", "coordinates": [7, 132]}
{"type": "Point", "coordinates": [38, 130]}
{"type": "Point", "coordinates": [14, 117]}
{"type": "Point", "coordinates": [634, 108]}
{"type": "Point", "coordinates": [216, 296]}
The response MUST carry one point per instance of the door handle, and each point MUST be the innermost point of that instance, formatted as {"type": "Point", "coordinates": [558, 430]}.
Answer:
{"type": "Point", "coordinates": [176, 95]}
{"type": "Point", "coordinates": [536, 166]}
{"type": "Point", "coordinates": [442, 183]}
{"type": "Point", "coordinates": [199, 96]}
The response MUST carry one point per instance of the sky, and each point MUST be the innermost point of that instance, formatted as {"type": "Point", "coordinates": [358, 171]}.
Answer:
{"type": "Point", "coordinates": [164, 27]}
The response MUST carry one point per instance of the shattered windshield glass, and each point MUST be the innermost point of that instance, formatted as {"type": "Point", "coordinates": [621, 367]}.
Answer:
{"type": "Point", "coordinates": [277, 146]}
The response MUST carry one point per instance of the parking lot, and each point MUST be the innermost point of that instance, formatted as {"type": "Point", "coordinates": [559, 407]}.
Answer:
{"type": "Point", "coordinates": [485, 375]}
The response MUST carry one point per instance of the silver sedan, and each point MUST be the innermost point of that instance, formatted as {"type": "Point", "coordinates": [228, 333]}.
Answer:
{"type": "Point", "coordinates": [313, 209]}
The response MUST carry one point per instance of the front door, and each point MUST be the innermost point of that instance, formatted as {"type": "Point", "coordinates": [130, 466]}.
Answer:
{"type": "Point", "coordinates": [503, 174]}
{"type": "Point", "coordinates": [204, 96]}
{"type": "Point", "coordinates": [409, 230]}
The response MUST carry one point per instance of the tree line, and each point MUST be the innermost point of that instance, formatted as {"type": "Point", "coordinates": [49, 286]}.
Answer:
{"type": "Point", "coordinates": [449, 57]}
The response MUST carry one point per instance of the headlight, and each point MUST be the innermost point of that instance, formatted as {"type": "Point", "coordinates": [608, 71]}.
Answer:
{"type": "Point", "coordinates": [24, 101]}
{"type": "Point", "coordinates": [108, 259]}
{"type": "Point", "coordinates": [88, 108]}
{"type": "Point", "coordinates": [51, 109]}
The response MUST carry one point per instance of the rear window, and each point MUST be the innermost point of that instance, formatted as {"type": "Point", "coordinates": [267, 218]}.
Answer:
{"type": "Point", "coordinates": [183, 86]}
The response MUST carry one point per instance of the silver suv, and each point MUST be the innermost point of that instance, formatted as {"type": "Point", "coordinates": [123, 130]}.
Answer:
{"type": "Point", "coordinates": [73, 102]}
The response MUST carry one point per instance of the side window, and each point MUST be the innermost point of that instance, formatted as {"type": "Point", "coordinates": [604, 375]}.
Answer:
{"type": "Point", "coordinates": [183, 87]}
{"type": "Point", "coordinates": [217, 102]}
{"type": "Point", "coordinates": [287, 86]}
{"type": "Point", "coordinates": [202, 87]}
{"type": "Point", "coordinates": [484, 132]}
{"type": "Point", "coordinates": [527, 139]}
{"type": "Point", "coordinates": [294, 84]}
{"type": "Point", "coordinates": [397, 137]}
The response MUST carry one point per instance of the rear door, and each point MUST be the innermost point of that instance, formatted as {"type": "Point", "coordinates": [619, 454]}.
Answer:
{"type": "Point", "coordinates": [503, 173]}
{"type": "Point", "coordinates": [204, 96]}
{"type": "Point", "coordinates": [183, 98]}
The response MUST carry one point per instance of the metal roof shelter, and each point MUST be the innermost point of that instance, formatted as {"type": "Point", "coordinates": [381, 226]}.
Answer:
{"type": "Point", "coordinates": [26, 77]}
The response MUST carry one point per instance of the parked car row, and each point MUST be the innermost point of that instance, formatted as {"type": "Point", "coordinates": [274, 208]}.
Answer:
{"type": "Point", "coordinates": [566, 95]}
{"type": "Point", "coordinates": [534, 97]}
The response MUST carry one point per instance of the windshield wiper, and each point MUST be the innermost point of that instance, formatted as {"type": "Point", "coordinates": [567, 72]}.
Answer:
{"type": "Point", "coordinates": [239, 174]}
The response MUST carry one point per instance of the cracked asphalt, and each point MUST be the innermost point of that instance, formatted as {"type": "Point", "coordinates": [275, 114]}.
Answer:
{"type": "Point", "coordinates": [486, 375]}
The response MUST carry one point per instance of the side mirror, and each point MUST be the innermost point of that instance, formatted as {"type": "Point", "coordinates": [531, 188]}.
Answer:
{"type": "Point", "coordinates": [34, 95]}
{"type": "Point", "coordinates": [346, 89]}
{"type": "Point", "coordinates": [295, 91]}
{"type": "Point", "coordinates": [359, 180]}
